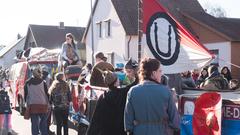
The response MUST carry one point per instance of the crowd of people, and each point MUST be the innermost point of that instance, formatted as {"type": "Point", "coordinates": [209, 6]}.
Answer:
{"type": "Point", "coordinates": [139, 100]}
{"type": "Point", "coordinates": [210, 78]}
{"type": "Point", "coordinates": [128, 107]}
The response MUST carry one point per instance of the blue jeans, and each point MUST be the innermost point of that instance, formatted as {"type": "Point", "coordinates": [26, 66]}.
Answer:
{"type": "Point", "coordinates": [39, 123]}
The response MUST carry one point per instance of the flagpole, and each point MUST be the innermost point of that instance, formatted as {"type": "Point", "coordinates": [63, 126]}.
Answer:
{"type": "Point", "coordinates": [140, 30]}
{"type": "Point", "coordinates": [92, 35]}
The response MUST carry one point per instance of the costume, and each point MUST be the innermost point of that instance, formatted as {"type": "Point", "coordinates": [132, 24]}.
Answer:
{"type": "Point", "coordinates": [68, 53]}
{"type": "Point", "coordinates": [150, 110]}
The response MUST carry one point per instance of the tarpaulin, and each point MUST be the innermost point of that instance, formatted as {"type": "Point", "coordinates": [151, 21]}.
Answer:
{"type": "Point", "coordinates": [207, 114]}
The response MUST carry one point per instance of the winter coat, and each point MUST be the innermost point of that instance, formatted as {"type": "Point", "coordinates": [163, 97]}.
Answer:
{"type": "Point", "coordinates": [175, 82]}
{"type": "Point", "coordinates": [151, 110]}
{"type": "Point", "coordinates": [108, 116]}
{"type": "Point", "coordinates": [215, 82]}
{"type": "Point", "coordinates": [36, 95]}
{"type": "Point", "coordinates": [188, 82]}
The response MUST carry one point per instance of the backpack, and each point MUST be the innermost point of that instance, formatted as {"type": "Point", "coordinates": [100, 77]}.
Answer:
{"type": "Point", "coordinates": [5, 107]}
{"type": "Point", "coordinates": [60, 100]}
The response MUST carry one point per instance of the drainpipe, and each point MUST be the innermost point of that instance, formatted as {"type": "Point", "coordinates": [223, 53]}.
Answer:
{"type": "Point", "coordinates": [128, 47]}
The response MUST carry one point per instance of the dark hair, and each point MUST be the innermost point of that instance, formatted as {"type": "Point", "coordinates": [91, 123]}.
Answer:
{"type": "Point", "coordinates": [70, 35]}
{"type": "Point", "coordinates": [201, 75]}
{"type": "Point", "coordinates": [228, 74]}
{"type": "Point", "coordinates": [147, 66]}
{"type": "Point", "coordinates": [187, 75]}
{"type": "Point", "coordinates": [212, 69]}
{"type": "Point", "coordinates": [131, 64]}
{"type": "Point", "coordinates": [225, 67]}
{"type": "Point", "coordinates": [101, 56]}
{"type": "Point", "coordinates": [89, 66]}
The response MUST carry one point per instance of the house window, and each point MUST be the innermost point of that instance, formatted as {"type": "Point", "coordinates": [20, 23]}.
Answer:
{"type": "Point", "coordinates": [215, 61]}
{"type": "Point", "coordinates": [108, 28]}
{"type": "Point", "coordinates": [110, 57]}
{"type": "Point", "coordinates": [99, 27]}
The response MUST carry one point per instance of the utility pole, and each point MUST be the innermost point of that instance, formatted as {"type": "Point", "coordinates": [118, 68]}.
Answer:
{"type": "Point", "coordinates": [92, 34]}
{"type": "Point", "coordinates": [140, 28]}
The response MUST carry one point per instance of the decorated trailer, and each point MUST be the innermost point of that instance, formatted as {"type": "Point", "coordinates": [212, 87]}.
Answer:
{"type": "Point", "coordinates": [219, 116]}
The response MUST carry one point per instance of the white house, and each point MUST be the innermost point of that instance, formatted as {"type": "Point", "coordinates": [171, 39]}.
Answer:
{"type": "Point", "coordinates": [8, 53]}
{"type": "Point", "coordinates": [115, 32]}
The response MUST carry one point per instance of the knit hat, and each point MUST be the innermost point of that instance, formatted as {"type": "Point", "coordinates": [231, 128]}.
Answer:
{"type": "Point", "coordinates": [119, 67]}
{"type": "Point", "coordinates": [110, 77]}
{"type": "Point", "coordinates": [131, 64]}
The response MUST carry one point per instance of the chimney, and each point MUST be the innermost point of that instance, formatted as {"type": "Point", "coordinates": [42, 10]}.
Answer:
{"type": "Point", "coordinates": [19, 36]}
{"type": "Point", "coordinates": [61, 25]}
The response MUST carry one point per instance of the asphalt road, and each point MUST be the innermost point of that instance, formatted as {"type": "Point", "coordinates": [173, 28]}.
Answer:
{"type": "Point", "coordinates": [21, 126]}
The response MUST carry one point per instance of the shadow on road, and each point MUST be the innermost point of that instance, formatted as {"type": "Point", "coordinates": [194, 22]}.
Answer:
{"type": "Point", "coordinates": [80, 129]}
{"type": "Point", "coordinates": [5, 132]}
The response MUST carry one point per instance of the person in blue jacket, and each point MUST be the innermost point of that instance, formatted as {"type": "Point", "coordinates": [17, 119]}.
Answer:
{"type": "Point", "coordinates": [150, 108]}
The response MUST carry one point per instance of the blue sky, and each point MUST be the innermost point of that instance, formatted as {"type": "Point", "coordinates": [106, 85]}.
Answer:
{"type": "Point", "coordinates": [16, 17]}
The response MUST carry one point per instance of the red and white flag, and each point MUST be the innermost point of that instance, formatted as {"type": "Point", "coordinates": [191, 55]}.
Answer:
{"type": "Point", "coordinates": [168, 41]}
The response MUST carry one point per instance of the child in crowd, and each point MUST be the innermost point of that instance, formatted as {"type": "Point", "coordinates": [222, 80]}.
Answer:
{"type": "Point", "coordinates": [130, 68]}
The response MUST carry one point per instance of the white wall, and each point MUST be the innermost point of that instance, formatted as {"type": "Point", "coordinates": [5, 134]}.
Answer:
{"type": "Point", "coordinates": [224, 52]}
{"type": "Point", "coordinates": [131, 43]}
{"type": "Point", "coordinates": [8, 59]}
{"type": "Point", "coordinates": [116, 43]}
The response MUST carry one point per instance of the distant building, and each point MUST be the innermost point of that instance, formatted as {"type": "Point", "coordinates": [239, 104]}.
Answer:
{"type": "Point", "coordinates": [115, 27]}
{"type": "Point", "coordinates": [8, 53]}
{"type": "Point", "coordinates": [1, 47]}
{"type": "Point", "coordinates": [52, 37]}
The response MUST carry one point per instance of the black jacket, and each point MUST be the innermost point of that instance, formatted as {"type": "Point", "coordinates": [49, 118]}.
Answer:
{"type": "Point", "coordinates": [108, 118]}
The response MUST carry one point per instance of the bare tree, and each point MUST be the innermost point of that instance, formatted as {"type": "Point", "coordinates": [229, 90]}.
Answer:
{"type": "Point", "coordinates": [218, 12]}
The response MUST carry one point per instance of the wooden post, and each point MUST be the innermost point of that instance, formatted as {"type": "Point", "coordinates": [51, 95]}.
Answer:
{"type": "Point", "coordinates": [140, 29]}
